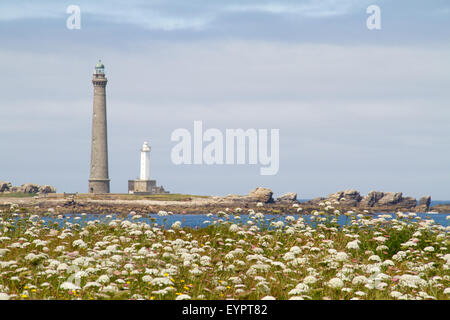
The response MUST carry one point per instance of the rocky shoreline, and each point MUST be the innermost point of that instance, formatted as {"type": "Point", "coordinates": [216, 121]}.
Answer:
{"type": "Point", "coordinates": [377, 201]}
{"type": "Point", "coordinates": [259, 199]}
{"type": "Point", "coordinates": [31, 188]}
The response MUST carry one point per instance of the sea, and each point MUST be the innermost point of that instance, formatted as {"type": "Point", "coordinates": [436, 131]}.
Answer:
{"type": "Point", "coordinates": [202, 220]}
{"type": "Point", "coordinates": [435, 202]}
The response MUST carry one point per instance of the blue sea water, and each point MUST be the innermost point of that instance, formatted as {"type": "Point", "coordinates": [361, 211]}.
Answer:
{"type": "Point", "coordinates": [198, 220]}
{"type": "Point", "coordinates": [435, 202]}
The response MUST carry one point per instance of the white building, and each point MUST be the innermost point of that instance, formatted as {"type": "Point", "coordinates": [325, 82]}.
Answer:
{"type": "Point", "coordinates": [145, 162]}
{"type": "Point", "coordinates": [144, 185]}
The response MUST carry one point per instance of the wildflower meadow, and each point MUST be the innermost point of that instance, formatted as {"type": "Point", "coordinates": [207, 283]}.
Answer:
{"type": "Point", "coordinates": [393, 256]}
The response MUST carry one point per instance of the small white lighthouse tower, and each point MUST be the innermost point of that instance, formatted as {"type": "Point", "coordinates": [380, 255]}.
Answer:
{"type": "Point", "coordinates": [145, 162]}
{"type": "Point", "coordinates": [144, 185]}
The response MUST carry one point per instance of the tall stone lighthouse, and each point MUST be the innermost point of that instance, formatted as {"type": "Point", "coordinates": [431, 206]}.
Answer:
{"type": "Point", "coordinates": [99, 178]}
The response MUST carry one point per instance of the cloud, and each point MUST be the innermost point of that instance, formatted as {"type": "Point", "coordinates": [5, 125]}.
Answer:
{"type": "Point", "coordinates": [175, 14]}
{"type": "Point", "coordinates": [311, 8]}
{"type": "Point", "coordinates": [104, 23]}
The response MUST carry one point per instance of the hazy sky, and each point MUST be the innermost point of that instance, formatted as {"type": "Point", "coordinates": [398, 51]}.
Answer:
{"type": "Point", "coordinates": [356, 108]}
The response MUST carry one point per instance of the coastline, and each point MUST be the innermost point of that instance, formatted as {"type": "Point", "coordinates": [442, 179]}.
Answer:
{"type": "Point", "coordinates": [66, 204]}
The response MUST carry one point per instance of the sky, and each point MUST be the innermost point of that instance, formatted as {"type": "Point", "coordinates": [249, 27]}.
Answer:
{"type": "Point", "coordinates": [356, 108]}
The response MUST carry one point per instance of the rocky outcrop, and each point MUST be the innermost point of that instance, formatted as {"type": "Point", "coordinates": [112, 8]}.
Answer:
{"type": "Point", "coordinates": [47, 189]}
{"type": "Point", "coordinates": [260, 194]}
{"type": "Point", "coordinates": [112, 204]}
{"type": "Point", "coordinates": [29, 188]}
{"type": "Point", "coordinates": [349, 198]}
{"type": "Point", "coordinates": [424, 204]}
{"type": "Point", "coordinates": [390, 198]}
{"type": "Point", "coordinates": [371, 198]}
{"type": "Point", "coordinates": [444, 208]}
{"type": "Point", "coordinates": [290, 197]}
{"type": "Point", "coordinates": [396, 201]}
{"type": "Point", "coordinates": [425, 201]}
{"type": "Point", "coordinates": [316, 201]}
{"type": "Point", "coordinates": [5, 186]}
{"type": "Point", "coordinates": [407, 203]}
{"type": "Point", "coordinates": [376, 200]}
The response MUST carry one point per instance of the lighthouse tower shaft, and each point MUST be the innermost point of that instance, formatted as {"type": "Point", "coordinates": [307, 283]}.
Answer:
{"type": "Point", "coordinates": [145, 162]}
{"type": "Point", "coordinates": [99, 177]}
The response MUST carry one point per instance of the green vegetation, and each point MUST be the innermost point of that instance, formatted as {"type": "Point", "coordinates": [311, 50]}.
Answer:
{"type": "Point", "coordinates": [124, 196]}
{"type": "Point", "coordinates": [17, 195]}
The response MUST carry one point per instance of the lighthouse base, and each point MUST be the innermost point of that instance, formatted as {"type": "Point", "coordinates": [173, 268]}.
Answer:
{"type": "Point", "coordinates": [99, 185]}
{"type": "Point", "coordinates": [144, 187]}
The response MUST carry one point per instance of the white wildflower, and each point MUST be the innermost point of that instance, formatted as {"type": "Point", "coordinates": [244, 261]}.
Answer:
{"type": "Point", "coordinates": [336, 283]}
{"type": "Point", "coordinates": [69, 286]}
{"type": "Point", "coordinates": [353, 244]}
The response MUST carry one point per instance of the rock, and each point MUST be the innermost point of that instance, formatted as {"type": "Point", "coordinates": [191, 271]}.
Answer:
{"type": "Point", "coordinates": [352, 195]}
{"type": "Point", "coordinates": [349, 197]}
{"type": "Point", "coordinates": [444, 208]}
{"type": "Point", "coordinates": [371, 199]}
{"type": "Point", "coordinates": [288, 197]}
{"type": "Point", "coordinates": [316, 201]}
{"type": "Point", "coordinates": [260, 194]}
{"type": "Point", "coordinates": [5, 186]}
{"type": "Point", "coordinates": [407, 203]}
{"type": "Point", "coordinates": [424, 204]}
{"type": "Point", "coordinates": [335, 196]}
{"type": "Point", "coordinates": [69, 203]}
{"type": "Point", "coordinates": [390, 198]}
{"type": "Point", "coordinates": [47, 189]}
{"type": "Point", "coordinates": [26, 188]}
{"type": "Point", "coordinates": [29, 188]}
{"type": "Point", "coordinates": [426, 200]}
{"type": "Point", "coordinates": [352, 198]}
{"type": "Point", "coordinates": [232, 196]}
{"type": "Point", "coordinates": [380, 200]}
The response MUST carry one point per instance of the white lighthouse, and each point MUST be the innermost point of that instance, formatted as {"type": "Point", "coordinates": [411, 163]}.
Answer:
{"type": "Point", "coordinates": [144, 185]}
{"type": "Point", "coordinates": [145, 162]}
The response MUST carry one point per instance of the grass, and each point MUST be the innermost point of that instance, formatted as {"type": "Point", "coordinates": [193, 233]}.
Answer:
{"type": "Point", "coordinates": [17, 195]}
{"type": "Point", "coordinates": [124, 196]}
